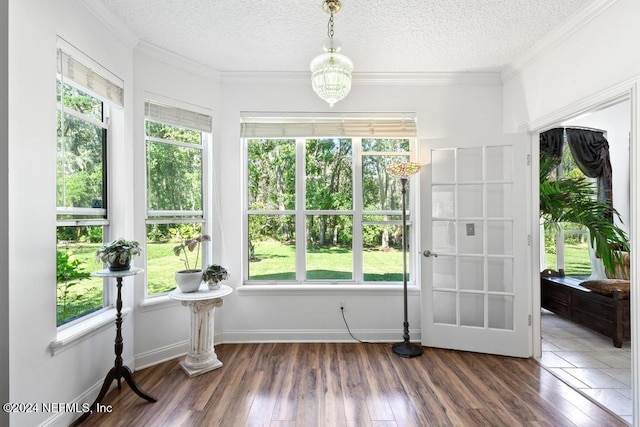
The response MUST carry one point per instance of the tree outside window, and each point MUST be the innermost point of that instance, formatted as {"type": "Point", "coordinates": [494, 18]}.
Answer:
{"type": "Point", "coordinates": [337, 218]}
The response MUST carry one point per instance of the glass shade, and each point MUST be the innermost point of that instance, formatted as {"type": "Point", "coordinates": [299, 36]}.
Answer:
{"type": "Point", "coordinates": [331, 76]}
{"type": "Point", "coordinates": [404, 170]}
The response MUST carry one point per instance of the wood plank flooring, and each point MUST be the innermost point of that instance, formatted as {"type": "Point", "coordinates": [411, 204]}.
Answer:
{"type": "Point", "coordinates": [344, 384]}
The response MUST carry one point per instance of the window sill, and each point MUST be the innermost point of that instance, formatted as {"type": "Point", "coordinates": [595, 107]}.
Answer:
{"type": "Point", "coordinates": [74, 334]}
{"type": "Point", "coordinates": [325, 289]}
{"type": "Point", "coordinates": [156, 302]}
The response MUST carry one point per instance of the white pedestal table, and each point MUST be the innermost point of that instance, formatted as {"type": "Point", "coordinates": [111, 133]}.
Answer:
{"type": "Point", "coordinates": [201, 356]}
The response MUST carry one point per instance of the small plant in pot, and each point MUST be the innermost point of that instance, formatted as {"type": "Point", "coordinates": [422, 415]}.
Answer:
{"type": "Point", "coordinates": [118, 254]}
{"type": "Point", "coordinates": [189, 279]}
{"type": "Point", "coordinates": [213, 275]}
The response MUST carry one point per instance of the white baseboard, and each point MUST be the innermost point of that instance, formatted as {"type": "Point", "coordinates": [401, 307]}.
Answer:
{"type": "Point", "coordinates": [319, 335]}
{"type": "Point", "coordinates": [162, 354]}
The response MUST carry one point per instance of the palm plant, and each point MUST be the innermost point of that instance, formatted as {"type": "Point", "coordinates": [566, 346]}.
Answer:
{"type": "Point", "coordinates": [575, 200]}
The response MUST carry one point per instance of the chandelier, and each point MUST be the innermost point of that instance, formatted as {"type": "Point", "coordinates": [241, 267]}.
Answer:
{"type": "Point", "coordinates": [331, 71]}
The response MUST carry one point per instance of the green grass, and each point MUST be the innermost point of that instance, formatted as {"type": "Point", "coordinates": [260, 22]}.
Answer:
{"type": "Point", "coordinates": [162, 264]}
{"type": "Point", "coordinates": [576, 260]}
{"type": "Point", "coordinates": [81, 297]}
{"type": "Point", "coordinates": [276, 261]}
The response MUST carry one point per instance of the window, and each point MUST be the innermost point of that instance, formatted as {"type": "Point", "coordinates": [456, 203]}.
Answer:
{"type": "Point", "coordinates": [323, 209]}
{"type": "Point", "coordinates": [567, 247]}
{"type": "Point", "coordinates": [81, 183]}
{"type": "Point", "coordinates": [176, 142]}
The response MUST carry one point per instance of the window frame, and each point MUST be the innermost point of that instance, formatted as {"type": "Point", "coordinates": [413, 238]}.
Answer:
{"type": "Point", "coordinates": [560, 241]}
{"type": "Point", "coordinates": [176, 216]}
{"type": "Point", "coordinates": [101, 215]}
{"type": "Point", "coordinates": [357, 213]}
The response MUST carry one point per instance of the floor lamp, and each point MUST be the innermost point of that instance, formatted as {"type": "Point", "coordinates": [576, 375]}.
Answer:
{"type": "Point", "coordinates": [404, 171]}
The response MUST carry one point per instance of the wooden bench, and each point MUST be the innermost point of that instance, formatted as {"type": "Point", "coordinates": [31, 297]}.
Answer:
{"type": "Point", "coordinates": [608, 315]}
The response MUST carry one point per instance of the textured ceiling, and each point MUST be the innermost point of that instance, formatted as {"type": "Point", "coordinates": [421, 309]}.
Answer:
{"type": "Point", "coordinates": [378, 35]}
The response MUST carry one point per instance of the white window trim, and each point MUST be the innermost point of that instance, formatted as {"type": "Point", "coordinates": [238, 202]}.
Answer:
{"type": "Point", "coordinates": [86, 327]}
{"type": "Point", "coordinates": [300, 283]}
{"type": "Point", "coordinates": [203, 119]}
{"type": "Point", "coordinates": [68, 334]}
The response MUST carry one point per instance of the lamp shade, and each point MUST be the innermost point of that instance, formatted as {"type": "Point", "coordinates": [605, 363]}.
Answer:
{"type": "Point", "coordinates": [404, 170]}
{"type": "Point", "coordinates": [331, 76]}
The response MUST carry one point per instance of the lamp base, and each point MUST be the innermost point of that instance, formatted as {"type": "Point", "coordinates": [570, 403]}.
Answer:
{"type": "Point", "coordinates": [406, 349]}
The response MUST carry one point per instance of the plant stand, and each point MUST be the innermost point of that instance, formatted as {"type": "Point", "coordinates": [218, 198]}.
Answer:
{"type": "Point", "coordinates": [119, 371]}
{"type": "Point", "coordinates": [201, 356]}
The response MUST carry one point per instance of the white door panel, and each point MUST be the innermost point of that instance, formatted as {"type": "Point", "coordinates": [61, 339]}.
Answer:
{"type": "Point", "coordinates": [475, 283]}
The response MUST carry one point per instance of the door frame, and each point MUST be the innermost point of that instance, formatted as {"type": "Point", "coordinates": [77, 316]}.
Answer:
{"type": "Point", "coordinates": [626, 90]}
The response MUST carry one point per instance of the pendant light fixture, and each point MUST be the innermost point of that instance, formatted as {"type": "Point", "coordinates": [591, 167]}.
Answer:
{"type": "Point", "coordinates": [331, 71]}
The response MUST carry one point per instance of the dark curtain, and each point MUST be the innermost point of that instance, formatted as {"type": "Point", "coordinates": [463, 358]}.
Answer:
{"type": "Point", "coordinates": [590, 149]}
{"type": "Point", "coordinates": [551, 143]}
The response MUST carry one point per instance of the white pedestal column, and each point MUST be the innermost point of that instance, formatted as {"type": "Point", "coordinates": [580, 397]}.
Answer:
{"type": "Point", "coordinates": [201, 356]}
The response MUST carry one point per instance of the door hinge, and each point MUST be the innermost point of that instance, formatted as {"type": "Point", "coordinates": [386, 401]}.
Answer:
{"type": "Point", "coordinates": [528, 159]}
{"type": "Point", "coordinates": [529, 320]}
{"type": "Point", "coordinates": [528, 239]}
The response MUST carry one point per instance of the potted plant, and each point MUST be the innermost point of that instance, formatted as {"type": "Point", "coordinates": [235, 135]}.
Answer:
{"type": "Point", "coordinates": [189, 279]}
{"type": "Point", "coordinates": [213, 275]}
{"type": "Point", "coordinates": [118, 254]}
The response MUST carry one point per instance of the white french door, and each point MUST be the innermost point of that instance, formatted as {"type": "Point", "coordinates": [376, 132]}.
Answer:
{"type": "Point", "coordinates": [476, 290]}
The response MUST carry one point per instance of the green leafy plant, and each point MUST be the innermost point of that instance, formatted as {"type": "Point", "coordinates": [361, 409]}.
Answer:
{"type": "Point", "coordinates": [188, 246]}
{"type": "Point", "coordinates": [118, 251]}
{"type": "Point", "coordinates": [215, 273]}
{"type": "Point", "coordinates": [69, 272]}
{"type": "Point", "coordinates": [574, 200]}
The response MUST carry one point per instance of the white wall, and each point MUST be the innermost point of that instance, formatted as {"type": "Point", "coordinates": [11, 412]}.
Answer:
{"type": "Point", "coordinates": [176, 81]}
{"type": "Point", "coordinates": [36, 376]}
{"type": "Point", "coordinates": [598, 56]}
{"type": "Point", "coordinates": [616, 121]}
{"type": "Point", "coordinates": [285, 315]}
{"type": "Point", "coordinates": [442, 111]}
{"type": "Point", "coordinates": [4, 209]}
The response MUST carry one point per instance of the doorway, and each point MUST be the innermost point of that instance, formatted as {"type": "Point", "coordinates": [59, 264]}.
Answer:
{"type": "Point", "coordinates": [583, 359]}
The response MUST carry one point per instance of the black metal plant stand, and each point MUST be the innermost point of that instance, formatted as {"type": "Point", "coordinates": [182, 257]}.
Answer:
{"type": "Point", "coordinates": [405, 348]}
{"type": "Point", "coordinates": [119, 371]}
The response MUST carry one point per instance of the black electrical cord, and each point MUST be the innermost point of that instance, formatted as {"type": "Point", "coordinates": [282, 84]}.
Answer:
{"type": "Point", "coordinates": [349, 330]}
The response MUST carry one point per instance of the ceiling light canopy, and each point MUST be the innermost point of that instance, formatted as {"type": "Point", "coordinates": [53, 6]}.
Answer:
{"type": "Point", "coordinates": [331, 71]}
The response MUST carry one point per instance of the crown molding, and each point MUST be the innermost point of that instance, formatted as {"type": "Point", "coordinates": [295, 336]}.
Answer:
{"type": "Point", "coordinates": [176, 60]}
{"type": "Point", "coordinates": [605, 98]}
{"type": "Point", "coordinates": [557, 36]}
{"type": "Point", "coordinates": [401, 79]}
{"type": "Point", "coordinates": [111, 21]}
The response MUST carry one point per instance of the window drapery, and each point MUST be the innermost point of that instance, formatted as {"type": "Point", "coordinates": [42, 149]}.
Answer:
{"type": "Point", "coordinates": [551, 143]}
{"type": "Point", "coordinates": [590, 150]}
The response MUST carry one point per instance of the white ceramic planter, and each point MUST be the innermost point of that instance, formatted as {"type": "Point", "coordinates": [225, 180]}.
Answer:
{"type": "Point", "coordinates": [189, 280]}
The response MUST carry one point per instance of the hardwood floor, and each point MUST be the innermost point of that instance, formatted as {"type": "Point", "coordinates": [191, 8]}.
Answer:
{"type": "Point", "coordinates": [344, 384]}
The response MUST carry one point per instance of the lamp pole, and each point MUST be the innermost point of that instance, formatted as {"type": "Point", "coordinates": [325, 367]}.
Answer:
{"type": "Point", "coordinates": [405, 348]}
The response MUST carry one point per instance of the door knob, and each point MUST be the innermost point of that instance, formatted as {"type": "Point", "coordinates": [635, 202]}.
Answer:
{"type": "Point", "coordinates": [428, 254]}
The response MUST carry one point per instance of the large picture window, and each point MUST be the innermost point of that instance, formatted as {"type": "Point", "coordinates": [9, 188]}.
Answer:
{"type": "Point", "coordinates": [176, 143]}
{"type": "Point", "coordinates": [322, 209]}
{"type": "Point", "coordinates": [84, 98]}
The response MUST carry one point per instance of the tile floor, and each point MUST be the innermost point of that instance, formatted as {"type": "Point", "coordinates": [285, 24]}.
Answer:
{"type": "Point", "coordinates": [588, 362]}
